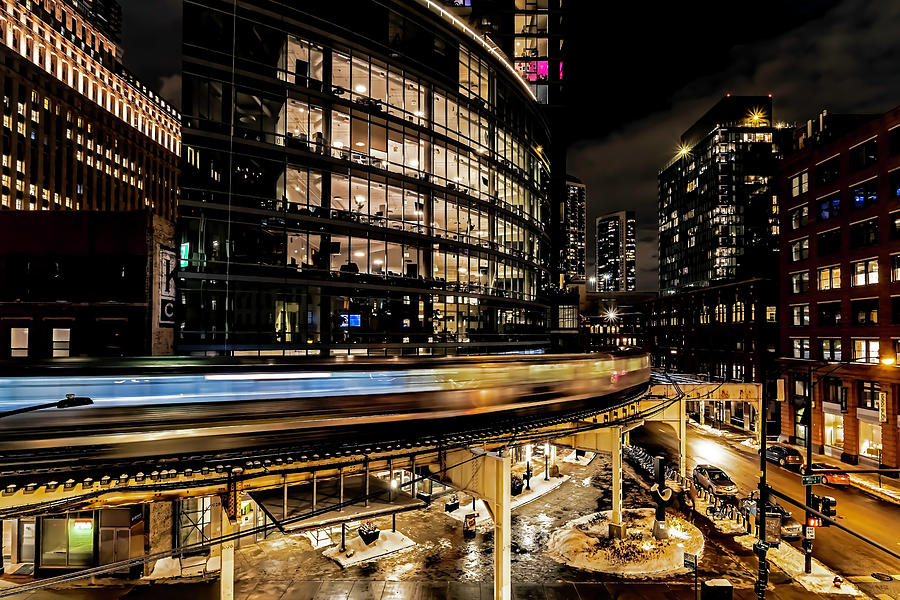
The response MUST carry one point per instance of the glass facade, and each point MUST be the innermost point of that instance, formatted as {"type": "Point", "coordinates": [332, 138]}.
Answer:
{"type": "Point", "coordinates": [616, 252]}
{"type": "Point", "coordinates": [379, 191]}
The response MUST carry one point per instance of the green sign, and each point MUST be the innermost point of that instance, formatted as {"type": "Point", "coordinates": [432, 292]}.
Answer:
{"type": "Point", "coordinates": [185, 253]}
{"type": "Point", "coordinates": [811, 479]}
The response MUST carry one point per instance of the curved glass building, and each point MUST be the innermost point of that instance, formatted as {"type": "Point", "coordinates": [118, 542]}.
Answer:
{"type": "Point", "coordinates": [359, 176]}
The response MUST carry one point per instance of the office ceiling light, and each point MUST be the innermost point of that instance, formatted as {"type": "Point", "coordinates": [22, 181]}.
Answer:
{"type": "Point", "coordinates": [360, 88]}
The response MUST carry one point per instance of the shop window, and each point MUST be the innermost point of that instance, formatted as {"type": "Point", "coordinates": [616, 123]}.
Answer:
{"type": "Point", "coordinates": [831, 349]}
{"type": "Point", "coordinates": [864, 155]}
{"type": "Point", "coordinates": [67, 541]}
{"type": "Point", "coordinates": [870, 440]}
{"type": "Point", "coordinates": [829, 278]}
{"type": "Point", "coordinates": [829, 171]}
{"type": "Point", "coordinates": [864, 194]}
{"type": "Point", "coordinates": [865, 312]}
{"type": "Point", "coordinates": [61, 339]}
{"type": "Point", "coordinates": [18, 342]}
{"type": "Point", "coordinates": [865, 350]}
{"type": "Point", "coordinates": [799, 184]}
{"type": "Point", "coordinates": [864, 233]}
{"type": "Point", "coordinates": [800, 249]}
{"type": "Point", "coordinates": [834, 430]}
{"type": "Point", "coordinates": [829, 313]}
{"type": "Point", "coordinates": [828, 208]}
{"type": "Point", "coordinates": [864, 272]}
{"type": "Point", "coordinates": [799, 217]}
{"type": "Point", "coordinates": [800, 282]}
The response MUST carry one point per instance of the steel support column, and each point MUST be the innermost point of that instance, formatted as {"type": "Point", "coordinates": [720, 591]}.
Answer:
{"type": "Point", "coordinates": [226, 575]}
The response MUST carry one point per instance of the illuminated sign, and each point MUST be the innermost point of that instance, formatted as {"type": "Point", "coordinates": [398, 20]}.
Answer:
{"type": "Point", "coordinates": [185, 254]}
{"type": "Point", "coordinates": [82, 524]}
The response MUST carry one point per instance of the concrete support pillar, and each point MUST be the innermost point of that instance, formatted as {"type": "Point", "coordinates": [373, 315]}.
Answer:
{"type": "Point", "coordinates": [226, 577]}
{"type": "Point", "coordinates": [617, 493]}
{"type": "Point", "coordinates": [502, 533]}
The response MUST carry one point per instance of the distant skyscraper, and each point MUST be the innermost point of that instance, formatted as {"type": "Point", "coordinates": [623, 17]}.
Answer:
{"type": "Point", "coordinates": [716, 200]}
{"type": "Point", "coordinates": [616, 246]}
{"type": "Point", "coordinates": [572, 252]}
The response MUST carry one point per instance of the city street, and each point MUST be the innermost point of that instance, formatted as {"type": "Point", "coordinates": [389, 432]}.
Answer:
{"type": "Point", "coordinates": [849, 556]}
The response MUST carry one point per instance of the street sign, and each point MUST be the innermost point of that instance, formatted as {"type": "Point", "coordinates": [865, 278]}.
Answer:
{"type": "Point", "coordinates": [809, 533]}
{"type": "Point", "coordinates": [811, 479]}
{"type": "Point", "coordinates": [882, 407]}
{"type": "Point", "coordinates": [761, 546]}
{"type": "Point", "coordinates": [690, 561]}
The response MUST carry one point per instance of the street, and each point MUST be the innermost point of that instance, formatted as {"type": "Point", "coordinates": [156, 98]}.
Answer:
{"type": "Point", "coordinates": [871, 517]}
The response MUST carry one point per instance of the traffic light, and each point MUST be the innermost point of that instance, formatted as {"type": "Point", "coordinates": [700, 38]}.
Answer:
{"type": "Point", "coordinates": [815, 502]}
{"type": "Point", "coordinates": [829, 507]}
{"type": "Point", "coordinates": [813, 521]}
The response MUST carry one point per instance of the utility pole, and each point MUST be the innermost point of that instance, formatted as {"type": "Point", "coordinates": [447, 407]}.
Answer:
{"type": "Point", "coordinates": [762, 577]}
{"type": "Point", "coordinates": [807, 543]}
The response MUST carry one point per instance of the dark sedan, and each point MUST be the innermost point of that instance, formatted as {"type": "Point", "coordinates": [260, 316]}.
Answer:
{"type": "Point", "coordinates": [786, 457]}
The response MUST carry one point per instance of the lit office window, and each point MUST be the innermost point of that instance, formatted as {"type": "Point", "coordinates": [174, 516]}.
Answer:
{"type": "Point", "coordinates": [61, 339]}
{"type": "Point", "coordinates": [18, 342]}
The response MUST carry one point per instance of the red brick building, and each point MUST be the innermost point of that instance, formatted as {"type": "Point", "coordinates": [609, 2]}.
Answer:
{"type": "Point", "coordinates": [839, 310]}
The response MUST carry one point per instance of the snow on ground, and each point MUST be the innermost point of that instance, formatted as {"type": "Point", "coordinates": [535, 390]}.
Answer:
{"type": "Point", "coordinates": [580, 461]}
{"type": "Point", "coordinates": [387, 543]}
{"type": "Point", "coordinates": [482, 516]}
{"type": "Point", "coordinates": [791, 561]}
{"type": "Point", "coordinates": [751, 443]}
{"type": "Point", "coordinates": [539, 487]}
{"type": "Point", "coordinates": [885, 493]}
{"type": "Point", "coordinates": [193, 566]}
{"type": "Point", "coordinates": [584, 544]}
{"type": "Point", "coordinates": [726, 525]}
{"type": "Point", "coordinates": [326, 536]}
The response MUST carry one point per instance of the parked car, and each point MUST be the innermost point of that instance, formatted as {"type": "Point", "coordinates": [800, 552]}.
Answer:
{"type": "Point", "coordinates": [836, 479]}
{"type": "Point", "coordinates": [714, 480]}
{"type": "Point", "coordinates": [784, 456]}
{"type": "Point", "coordinates": [791, 528]}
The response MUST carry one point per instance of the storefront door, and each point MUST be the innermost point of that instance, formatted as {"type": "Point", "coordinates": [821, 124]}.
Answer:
{"type": "Point", "coordinates": [26, 541]}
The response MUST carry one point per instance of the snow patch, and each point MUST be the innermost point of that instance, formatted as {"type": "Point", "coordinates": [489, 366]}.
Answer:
{"type": "Point", "coordinates": [883, 492]}
{"type": "Point", "coordinates": [751, 443]}
{"type": "Point", "coordinates": [579, 460]}
{"type": "Point", "coordinates": [388, 542]}
{"type": "Point", "coordinates": [584, 543]}
{"type": "Point", "coordinates": [791, 561]}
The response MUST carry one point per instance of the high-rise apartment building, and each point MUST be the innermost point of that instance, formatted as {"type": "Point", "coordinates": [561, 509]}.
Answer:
{"type": "Point", "coordinates": [359, 178]}
{"type": "Point", "coordinates": [573, 219]}
{"type": "Point", "coordinates": [80, 133]}
{"type": "Point", "coordinates": [616, 247]}
{"type": "Point", "coordinates": [718, 218]}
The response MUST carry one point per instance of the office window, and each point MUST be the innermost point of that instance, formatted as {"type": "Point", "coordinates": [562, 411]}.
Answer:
{"type": "Point", "coordinates": [865, 194]}
{"type": "Point", "coordinates": [896, 351]}
{"type": "Point", "coordinates": [865, 350]}
{"type": "Point", "coordinates": [800, 282]}
{"type": "Point", "coordinates": [829, 171]}
{"type": "Point", "coordinates": [828, 242]}
{"type": "Point", "coordinates": [895, 225]}
{"type": "Point", "coordinates": [61, 339]}
{"type": "Point", "coordinates": [721, 313]}
{"type": "Point", "coordinates": [800, 347]}
{"type": "Point", "coordinates": [895, 309]}
{"type": "Point", "coordinates": [894, 141]}
{"type": "Point", "coordinates": [829, 278]}
{"type": "Point", "coordinates": [868, 394]}
{"type": "Point", "coordinates": [799, 184]}
{"type": "Point", "coordinates": [864, 233]}
{"type": "Point", "coordinates": [18, 342]}
{"type": "Point", "coordinates": [737, 312]}
{"type": "Point", "coordinates": [864, 155]}
{"type": "Point", "coordinates": [894, 184]}
{"type": "Point", "coordinates": [828, 208]}
{"type": "Point", "coordinates": [865, 312]}
{"type": "Point", "coordinates": [829, 313]}
{"type": "Point", "coordinates": [831, 348]}
{"type": "Point", "coordinates": [864, 272]}
{"type": "Point", "coordinates": [895, 267]}
{"type": "Point", "coordinates": [771, 314]}
{"type": "Point", "coordinates": [799, 217]}
{"type": "Point", "coordinates": [800, 315]}
{"type": "Point", "coordinates": [800, 249]}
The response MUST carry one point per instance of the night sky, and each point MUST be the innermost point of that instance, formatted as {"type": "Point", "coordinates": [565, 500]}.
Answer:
{"type": "Point", "coordinates": [642, 73]}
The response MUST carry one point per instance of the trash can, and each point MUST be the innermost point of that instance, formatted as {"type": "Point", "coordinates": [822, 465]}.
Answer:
{"type": "Point", "coordinates": [716, 589]}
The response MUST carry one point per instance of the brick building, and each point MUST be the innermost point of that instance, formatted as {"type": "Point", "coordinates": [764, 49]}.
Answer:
{"type": "Point", "coordinates": [839, 197]}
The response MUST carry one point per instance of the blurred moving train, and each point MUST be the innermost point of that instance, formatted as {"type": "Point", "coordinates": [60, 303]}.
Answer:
{"type": "Point", "coordinates": [159, 407]}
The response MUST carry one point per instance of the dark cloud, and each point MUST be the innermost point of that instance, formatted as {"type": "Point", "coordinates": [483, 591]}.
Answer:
{"type": "Point", "coordinates": [151, 37]}
{"type": "Point", "coordinates": [844, 60]}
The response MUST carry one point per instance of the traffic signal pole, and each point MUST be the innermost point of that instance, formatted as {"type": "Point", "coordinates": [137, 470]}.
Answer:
{"type": "Point", "coordinates": [808, 543]}
{"type": "Point", "coordinates": [762, 577]}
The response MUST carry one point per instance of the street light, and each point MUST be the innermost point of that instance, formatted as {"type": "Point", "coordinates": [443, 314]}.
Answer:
{"type": "Point", "coordinates": [70, 401]}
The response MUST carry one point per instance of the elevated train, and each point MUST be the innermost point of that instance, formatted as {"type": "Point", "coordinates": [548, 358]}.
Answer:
{"type": "Point", "coordinates": [178, 406]}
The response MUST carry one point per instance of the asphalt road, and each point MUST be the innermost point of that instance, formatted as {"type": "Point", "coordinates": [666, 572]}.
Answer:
{"type": "Point", "coordinates": [873, 518]}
